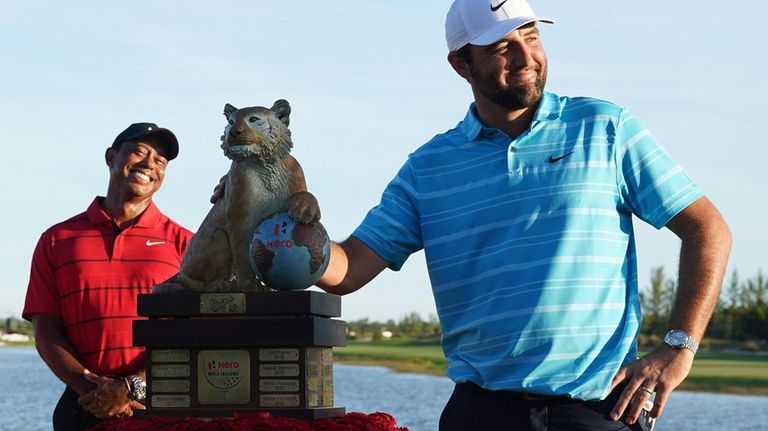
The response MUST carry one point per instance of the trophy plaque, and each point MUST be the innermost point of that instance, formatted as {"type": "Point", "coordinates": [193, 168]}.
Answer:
{"type": "Point", "coordinates": [215, 354]}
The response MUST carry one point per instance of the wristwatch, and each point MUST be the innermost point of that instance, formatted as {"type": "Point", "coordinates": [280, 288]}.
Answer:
{"type": "Point", "coordinates": [137, 386]}
{"type": "Point", "coordinates": [679, 339]}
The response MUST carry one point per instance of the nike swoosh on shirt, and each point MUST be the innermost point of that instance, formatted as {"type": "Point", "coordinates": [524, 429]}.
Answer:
{"type": "Point", "coordinates": [498, 6]}
{"type": "Point", "coordinates": [557, 159]}
{"type": "Point", "coordinates": [151, 243]}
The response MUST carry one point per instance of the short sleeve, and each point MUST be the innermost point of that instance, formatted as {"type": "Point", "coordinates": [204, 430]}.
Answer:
{"type": "Point", "coordinates": [392, 228]}
{"type": "Point", "coordinates": [651, 184]}
{"type": "Point", "coordinates": [42, 294]}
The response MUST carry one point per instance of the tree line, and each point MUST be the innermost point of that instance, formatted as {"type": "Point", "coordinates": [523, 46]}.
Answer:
{"type": "Point", "coordinates": [741, 314]}
{"type": "Point", "coordinates": [14, 325]}
{"type": "Point", "coordinates": [411, 326]}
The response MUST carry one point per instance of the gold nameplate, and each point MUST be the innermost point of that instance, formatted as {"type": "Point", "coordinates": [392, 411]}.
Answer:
{"type": "Point", "coordinates": [279, 400]}
{"type": "Point", "coordinates": [314, 354]}
{"type": "Point", "coordinates": [328, 399]}
{"type": "Point", "coordinates": [313, 400]}
{"type": "Point", "coordinates": [278, 370]}
{"type": "Point", "coordinates": [278, 354]}
{"type": "Point", "coordinates": [275, 385]}
{"type": "Point", "coordinates": [175, 355]}
{"type": "Point", "coordinates": [313, 370]}
{"type": "Point", "coordinates": [170, 370]}
{"type": "Point", "coordinates": [170, 385]}
{"type": "Point", "coordinates": [170, 401]}
{"type": "Point", "coordinates": [315, 385]}
{"type": "Point", "coordinates": [223, 377]}
{"type": "Point", "coordinates": [222, 303]}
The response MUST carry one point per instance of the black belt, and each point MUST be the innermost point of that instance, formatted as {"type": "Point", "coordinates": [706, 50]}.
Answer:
{"type": "Point", "coordinates": [514, 395]}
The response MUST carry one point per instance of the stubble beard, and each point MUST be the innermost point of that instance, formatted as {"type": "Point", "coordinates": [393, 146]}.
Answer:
{"type": "Point", "coordinates": [513, 97]}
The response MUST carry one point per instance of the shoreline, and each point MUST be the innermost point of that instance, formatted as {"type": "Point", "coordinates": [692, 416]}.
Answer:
{"type": "Point", "coordinates": [707, 375]}
{"type": "Point", "coordinates": [691, 384]}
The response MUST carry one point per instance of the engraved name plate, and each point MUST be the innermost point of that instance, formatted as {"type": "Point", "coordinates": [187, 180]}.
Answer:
{"type": "Point", "coordinates": [170, 401]}
{"type": "Point", "coordinates": [278, 355]}
{"type": "Point", "coordinates": [170, 355]}
{"type": "Point", "coordinates": [170, 385]}
{"type": "Point", "coordinates": [224, 377]}
{"type": "Point", "coordinates": [275, 385]}
{"type": "Point", "coordinates": [170, 370]}
{"type": "Point", "coordinates": [279, 400]}
{"type": "Point", "coordinates": [278, 370]}
{"type": "Point", "coordinates": [222, 303]}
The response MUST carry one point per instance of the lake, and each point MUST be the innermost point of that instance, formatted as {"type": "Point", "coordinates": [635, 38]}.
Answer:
{"type": "Point", "coordinates": [29, 391]}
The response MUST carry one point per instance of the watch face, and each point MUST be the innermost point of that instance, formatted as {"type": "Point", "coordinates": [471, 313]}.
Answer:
{"type": "Point", "coordinates": [141, 392]}
{"type": "Point", "coordinates": [676, 338]}
{"type": "Point", "coordinates": [139, 388]}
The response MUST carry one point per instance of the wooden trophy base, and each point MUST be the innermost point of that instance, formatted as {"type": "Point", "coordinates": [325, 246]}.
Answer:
{"type": "Point", "coordinates": [217, 354]}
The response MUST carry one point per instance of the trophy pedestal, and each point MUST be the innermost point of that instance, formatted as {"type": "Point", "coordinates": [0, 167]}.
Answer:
{"type": "Point", "coordinates": [215, 354]}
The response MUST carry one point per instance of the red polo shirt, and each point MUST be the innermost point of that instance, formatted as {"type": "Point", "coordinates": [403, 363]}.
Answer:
{"type": "Point", "coordinates": [89, 273]}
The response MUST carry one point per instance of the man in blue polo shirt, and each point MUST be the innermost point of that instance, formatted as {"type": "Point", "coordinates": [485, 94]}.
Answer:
{"type": "Point", "coordinates": [524, 211]}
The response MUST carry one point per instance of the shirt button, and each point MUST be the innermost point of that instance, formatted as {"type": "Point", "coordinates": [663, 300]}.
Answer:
{"type": "Point", "coordinates": [512, 149]}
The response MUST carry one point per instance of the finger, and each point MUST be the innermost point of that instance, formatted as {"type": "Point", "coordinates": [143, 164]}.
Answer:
{"type": "Point", "coordinates": [624, 399]}
{"type": "Point", "coordinates": [636, 406]}
{"type": "Point", "coordinates": [618, 378]}
{"type": "Point", "coordinates": [86, 399]}
{"type": "Point", "coordinates": [91, 377]}
{"type": "Point", "coordinates": [135, 405]}
{"type": "Point", "coordinates": [659, 403]}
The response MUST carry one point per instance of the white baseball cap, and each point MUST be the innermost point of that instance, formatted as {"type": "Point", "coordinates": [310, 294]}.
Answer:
{"type": "Point", "coordinates": [483, 22]}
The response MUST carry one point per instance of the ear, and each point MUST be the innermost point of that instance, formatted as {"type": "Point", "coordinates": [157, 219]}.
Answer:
{"type": "Point", "coordinates": [282, 108]}
{"type": "Point", "coordinates": [459, 65]}
{"type": "Point", "coordinates": [228, 110]}
{"type": "Point", "coordinates": [109, 156]}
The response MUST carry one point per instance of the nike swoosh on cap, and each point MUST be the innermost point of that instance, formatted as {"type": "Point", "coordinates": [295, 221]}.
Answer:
{"type": "Point", "coordinates": [151, 243]}
{"type": "Point", "coordinates": [498, 6]}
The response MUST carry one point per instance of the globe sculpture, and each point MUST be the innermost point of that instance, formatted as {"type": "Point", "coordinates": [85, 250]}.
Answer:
{"type": "Point", "coordinates": [286, 255]}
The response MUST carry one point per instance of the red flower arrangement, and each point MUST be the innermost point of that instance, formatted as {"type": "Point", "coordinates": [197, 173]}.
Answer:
{"type": "Point", "coordinates": [256, 422]}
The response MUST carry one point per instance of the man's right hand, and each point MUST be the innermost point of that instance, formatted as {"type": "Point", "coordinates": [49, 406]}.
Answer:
{"type": "Point", "coordinates": [218, 191]}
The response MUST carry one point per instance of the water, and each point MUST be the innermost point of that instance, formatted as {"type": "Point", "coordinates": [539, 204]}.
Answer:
{"type": "Point", "coordinates": [29, 391]}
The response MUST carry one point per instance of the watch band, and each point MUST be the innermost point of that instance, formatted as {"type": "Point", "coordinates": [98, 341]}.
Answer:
{"type": "Point", "coordinates": [679, 339]}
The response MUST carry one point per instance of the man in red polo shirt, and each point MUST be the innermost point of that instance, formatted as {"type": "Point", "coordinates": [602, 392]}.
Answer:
{"type": "Point", "coordinates": [86, 273]}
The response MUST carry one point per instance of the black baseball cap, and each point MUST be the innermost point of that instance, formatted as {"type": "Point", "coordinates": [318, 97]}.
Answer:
{"type": "Point", "coordinates": [139, 130]}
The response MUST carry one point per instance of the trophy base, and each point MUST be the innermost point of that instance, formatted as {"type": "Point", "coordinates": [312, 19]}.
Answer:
{"type": "Point", "coordinates": [308, 415]}
{"type": "Point", "coordinates": [214, 355]}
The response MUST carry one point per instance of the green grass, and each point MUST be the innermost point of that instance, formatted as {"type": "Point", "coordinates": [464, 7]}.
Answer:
{"type": "Point", "coordinates": [738, 373]}
{"type": "Point", "coordinates": [401, 355]}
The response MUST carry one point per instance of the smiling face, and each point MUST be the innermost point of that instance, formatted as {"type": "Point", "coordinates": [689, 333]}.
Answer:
{"type": "Point", "coordinates": [136, 169]}
{"type": "Point", "coordinates": [510, 73]}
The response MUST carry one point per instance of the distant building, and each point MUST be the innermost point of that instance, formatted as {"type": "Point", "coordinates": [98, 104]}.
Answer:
{"type": "Point", "coordinates": [14, 338]}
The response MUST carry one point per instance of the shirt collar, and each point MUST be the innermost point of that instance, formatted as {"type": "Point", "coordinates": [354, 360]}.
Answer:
{"type": "Point", "coordinates": [96, 214]}
{"type": "Point", "coordinates": [549, 109]}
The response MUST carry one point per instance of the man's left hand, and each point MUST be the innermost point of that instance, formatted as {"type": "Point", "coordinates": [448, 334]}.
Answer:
{"type": "Point", "coordinates": [109, 399]}
{"type": "Point", "coordinates": [660, 371]}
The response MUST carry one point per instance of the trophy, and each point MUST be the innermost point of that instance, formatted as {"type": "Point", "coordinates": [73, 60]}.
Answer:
{"type": "Point", "coordinates": [234, 331]}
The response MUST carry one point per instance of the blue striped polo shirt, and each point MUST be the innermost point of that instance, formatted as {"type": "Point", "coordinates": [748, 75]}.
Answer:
{"type": "Point", "coordinates": [529, 242]}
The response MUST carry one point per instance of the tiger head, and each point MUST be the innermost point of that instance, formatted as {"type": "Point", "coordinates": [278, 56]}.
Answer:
{"type": "Point", "coordinates": [257, 132]}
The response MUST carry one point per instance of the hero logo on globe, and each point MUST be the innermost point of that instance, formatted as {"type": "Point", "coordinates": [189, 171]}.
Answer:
{"type": "Point", "coordinates": [223, 374]}
{"type": "Point", "coordinates": [279, 228]}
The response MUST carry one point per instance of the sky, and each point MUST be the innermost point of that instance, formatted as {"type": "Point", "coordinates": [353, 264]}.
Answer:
{"type": "Point", "coordinates": [368, 83]}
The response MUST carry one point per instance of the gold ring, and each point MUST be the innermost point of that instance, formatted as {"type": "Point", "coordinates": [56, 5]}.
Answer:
{"type": "Point", "coordinates": [644, 389]}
